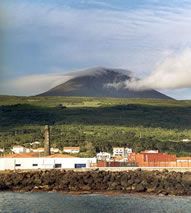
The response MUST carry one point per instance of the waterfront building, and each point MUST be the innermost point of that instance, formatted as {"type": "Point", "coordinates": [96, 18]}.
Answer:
{"type": "Point", "coordinates": [33, 161]}
{"type": "Point", "coordinates": [153, 159]}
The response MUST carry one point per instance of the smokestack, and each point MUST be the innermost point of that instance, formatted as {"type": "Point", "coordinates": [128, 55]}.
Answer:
{"type": "Point", "coordinates": [46, 140]}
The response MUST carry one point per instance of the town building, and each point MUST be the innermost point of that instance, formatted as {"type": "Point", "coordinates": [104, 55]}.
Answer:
{"type": "Point", "coordinates": [121, 151]}
{"type": "Point", "coordinates": [54, 150]}
{"type": "Point", "coordinates": [71, 150]}
{"type": "Point", "coordinates": [40, 149]}
{"type": "Point", "coordinates": [35, 143]}
{"type": "Point", "coordinates": [2, 150]}
{"type": "Point", "coordinates": [103, 156]}
{"type": "Point", "coordinates": [19, 149]}
{"type": "Point", "coordinates": [153, 159]}
{"type": "Point", "coordinates": [186, 140]}
{"type": "Point", "coordinates": [32, 161]}
{"type": "Point", "coordinates": [183, 161]}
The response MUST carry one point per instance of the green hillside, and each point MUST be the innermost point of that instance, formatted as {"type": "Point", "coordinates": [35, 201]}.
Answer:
{"type": "Point", "coordinates": [97, 124]}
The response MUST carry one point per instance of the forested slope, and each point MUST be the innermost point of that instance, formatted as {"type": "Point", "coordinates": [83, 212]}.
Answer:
{"type": "Point", "coordinates": [97, 124]}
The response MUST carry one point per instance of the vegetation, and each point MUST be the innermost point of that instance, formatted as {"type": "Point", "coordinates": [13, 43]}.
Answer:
{"type": "Point", "coordinates": [97, 124]}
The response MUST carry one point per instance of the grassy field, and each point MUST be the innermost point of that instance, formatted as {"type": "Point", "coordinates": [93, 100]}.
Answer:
{"type": "Point", "coordinates": [97, 124]}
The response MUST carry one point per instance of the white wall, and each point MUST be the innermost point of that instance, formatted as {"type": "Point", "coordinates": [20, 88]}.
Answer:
{"type": "Point", "coordinates": [43, 163]}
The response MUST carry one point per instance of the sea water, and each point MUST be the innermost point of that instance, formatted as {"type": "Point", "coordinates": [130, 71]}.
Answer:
{"type": "Point", "coordinates": [56, 202]}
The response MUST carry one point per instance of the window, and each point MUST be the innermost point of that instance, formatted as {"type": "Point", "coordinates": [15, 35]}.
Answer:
{"type": "Point", "coordinates": [35, 164]}
{"type": "Point", "coordinates": [17, 164]}
{"type": "Point", "coordinates": [58, 165]}
{"type": "Point", "coordinates": [80, 165]}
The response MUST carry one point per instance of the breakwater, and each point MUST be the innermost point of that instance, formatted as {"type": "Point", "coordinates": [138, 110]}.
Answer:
{"type": "Point", "coordinates": [133, 181]}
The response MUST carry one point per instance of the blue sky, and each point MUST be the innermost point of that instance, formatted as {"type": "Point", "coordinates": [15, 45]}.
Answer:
{"type": "Point", "coordinates": [43, 38]}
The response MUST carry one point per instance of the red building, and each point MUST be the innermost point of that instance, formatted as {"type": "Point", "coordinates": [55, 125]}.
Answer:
{"type": "Point", "coordinates": [153, 159]}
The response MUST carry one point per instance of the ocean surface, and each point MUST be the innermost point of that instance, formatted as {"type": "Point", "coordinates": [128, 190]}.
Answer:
{"type": "Point", "coordinates": [55, 202]}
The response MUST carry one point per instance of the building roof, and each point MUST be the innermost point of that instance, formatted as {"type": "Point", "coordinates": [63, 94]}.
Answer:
{"type": "Point", "coordinates": [72, 147]}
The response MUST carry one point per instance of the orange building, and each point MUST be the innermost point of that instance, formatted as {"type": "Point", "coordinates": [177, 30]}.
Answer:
{"type": "Point", "coordinates": [153, 159]}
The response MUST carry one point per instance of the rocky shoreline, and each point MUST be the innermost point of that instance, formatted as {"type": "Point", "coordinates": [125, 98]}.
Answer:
{"type": "Point", "coordinates": [133, 181]}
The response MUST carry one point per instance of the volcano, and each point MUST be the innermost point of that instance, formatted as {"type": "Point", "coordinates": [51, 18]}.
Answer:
{"type": "Point", "coordinates": [101, 82]}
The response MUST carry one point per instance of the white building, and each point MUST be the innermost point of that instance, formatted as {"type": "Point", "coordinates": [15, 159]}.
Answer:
{"type": "Point", "coordinates": [45, 163]}
{"type": "Point", "coordinates": [103, 156]}
{"type": "Point", "coordinates": [2, 150]}
{"type": "Point", "coordinates": [18, 149]}
{"type": "Point", "coordinates": [121, 151]}
{"type": "Point", "coordinates": [40, 149]}
{"type": "Point", "coordinates": [186, 140]}
{"type": "Point", "coordinates": [71, 149]}
{"type": "Point", "coordinates": [54, 150]}
{"type": "Point", "coordinates": [35, 143]}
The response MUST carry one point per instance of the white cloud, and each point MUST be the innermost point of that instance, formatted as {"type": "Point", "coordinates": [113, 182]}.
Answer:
{"type": "Point", "coordinates": [173, 73]}
{"type": "Point", "coordinates": [36, 84]}
{"type": "Point", "coordinates": [33, 84]}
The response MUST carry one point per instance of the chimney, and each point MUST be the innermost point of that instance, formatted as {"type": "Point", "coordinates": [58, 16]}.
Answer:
{"type": "Point", "coordinates": [46, 140]}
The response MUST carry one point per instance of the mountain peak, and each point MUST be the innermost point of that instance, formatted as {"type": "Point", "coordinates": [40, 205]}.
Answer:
{"type": "Point", "coordinates": [92, 82]}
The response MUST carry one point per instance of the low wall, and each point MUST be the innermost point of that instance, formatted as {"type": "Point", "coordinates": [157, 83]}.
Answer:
{"type": "Point", "coordinates": [132, 181]}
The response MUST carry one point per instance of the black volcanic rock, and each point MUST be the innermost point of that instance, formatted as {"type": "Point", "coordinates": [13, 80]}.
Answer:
{"type": "Point", "coordinates": [96, 82]}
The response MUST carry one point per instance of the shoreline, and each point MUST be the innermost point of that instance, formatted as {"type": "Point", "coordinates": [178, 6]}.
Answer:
{"type": "Point", "coordinates": [105, 193]}
{"type": "Point", "coordinates": [139, 182]}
